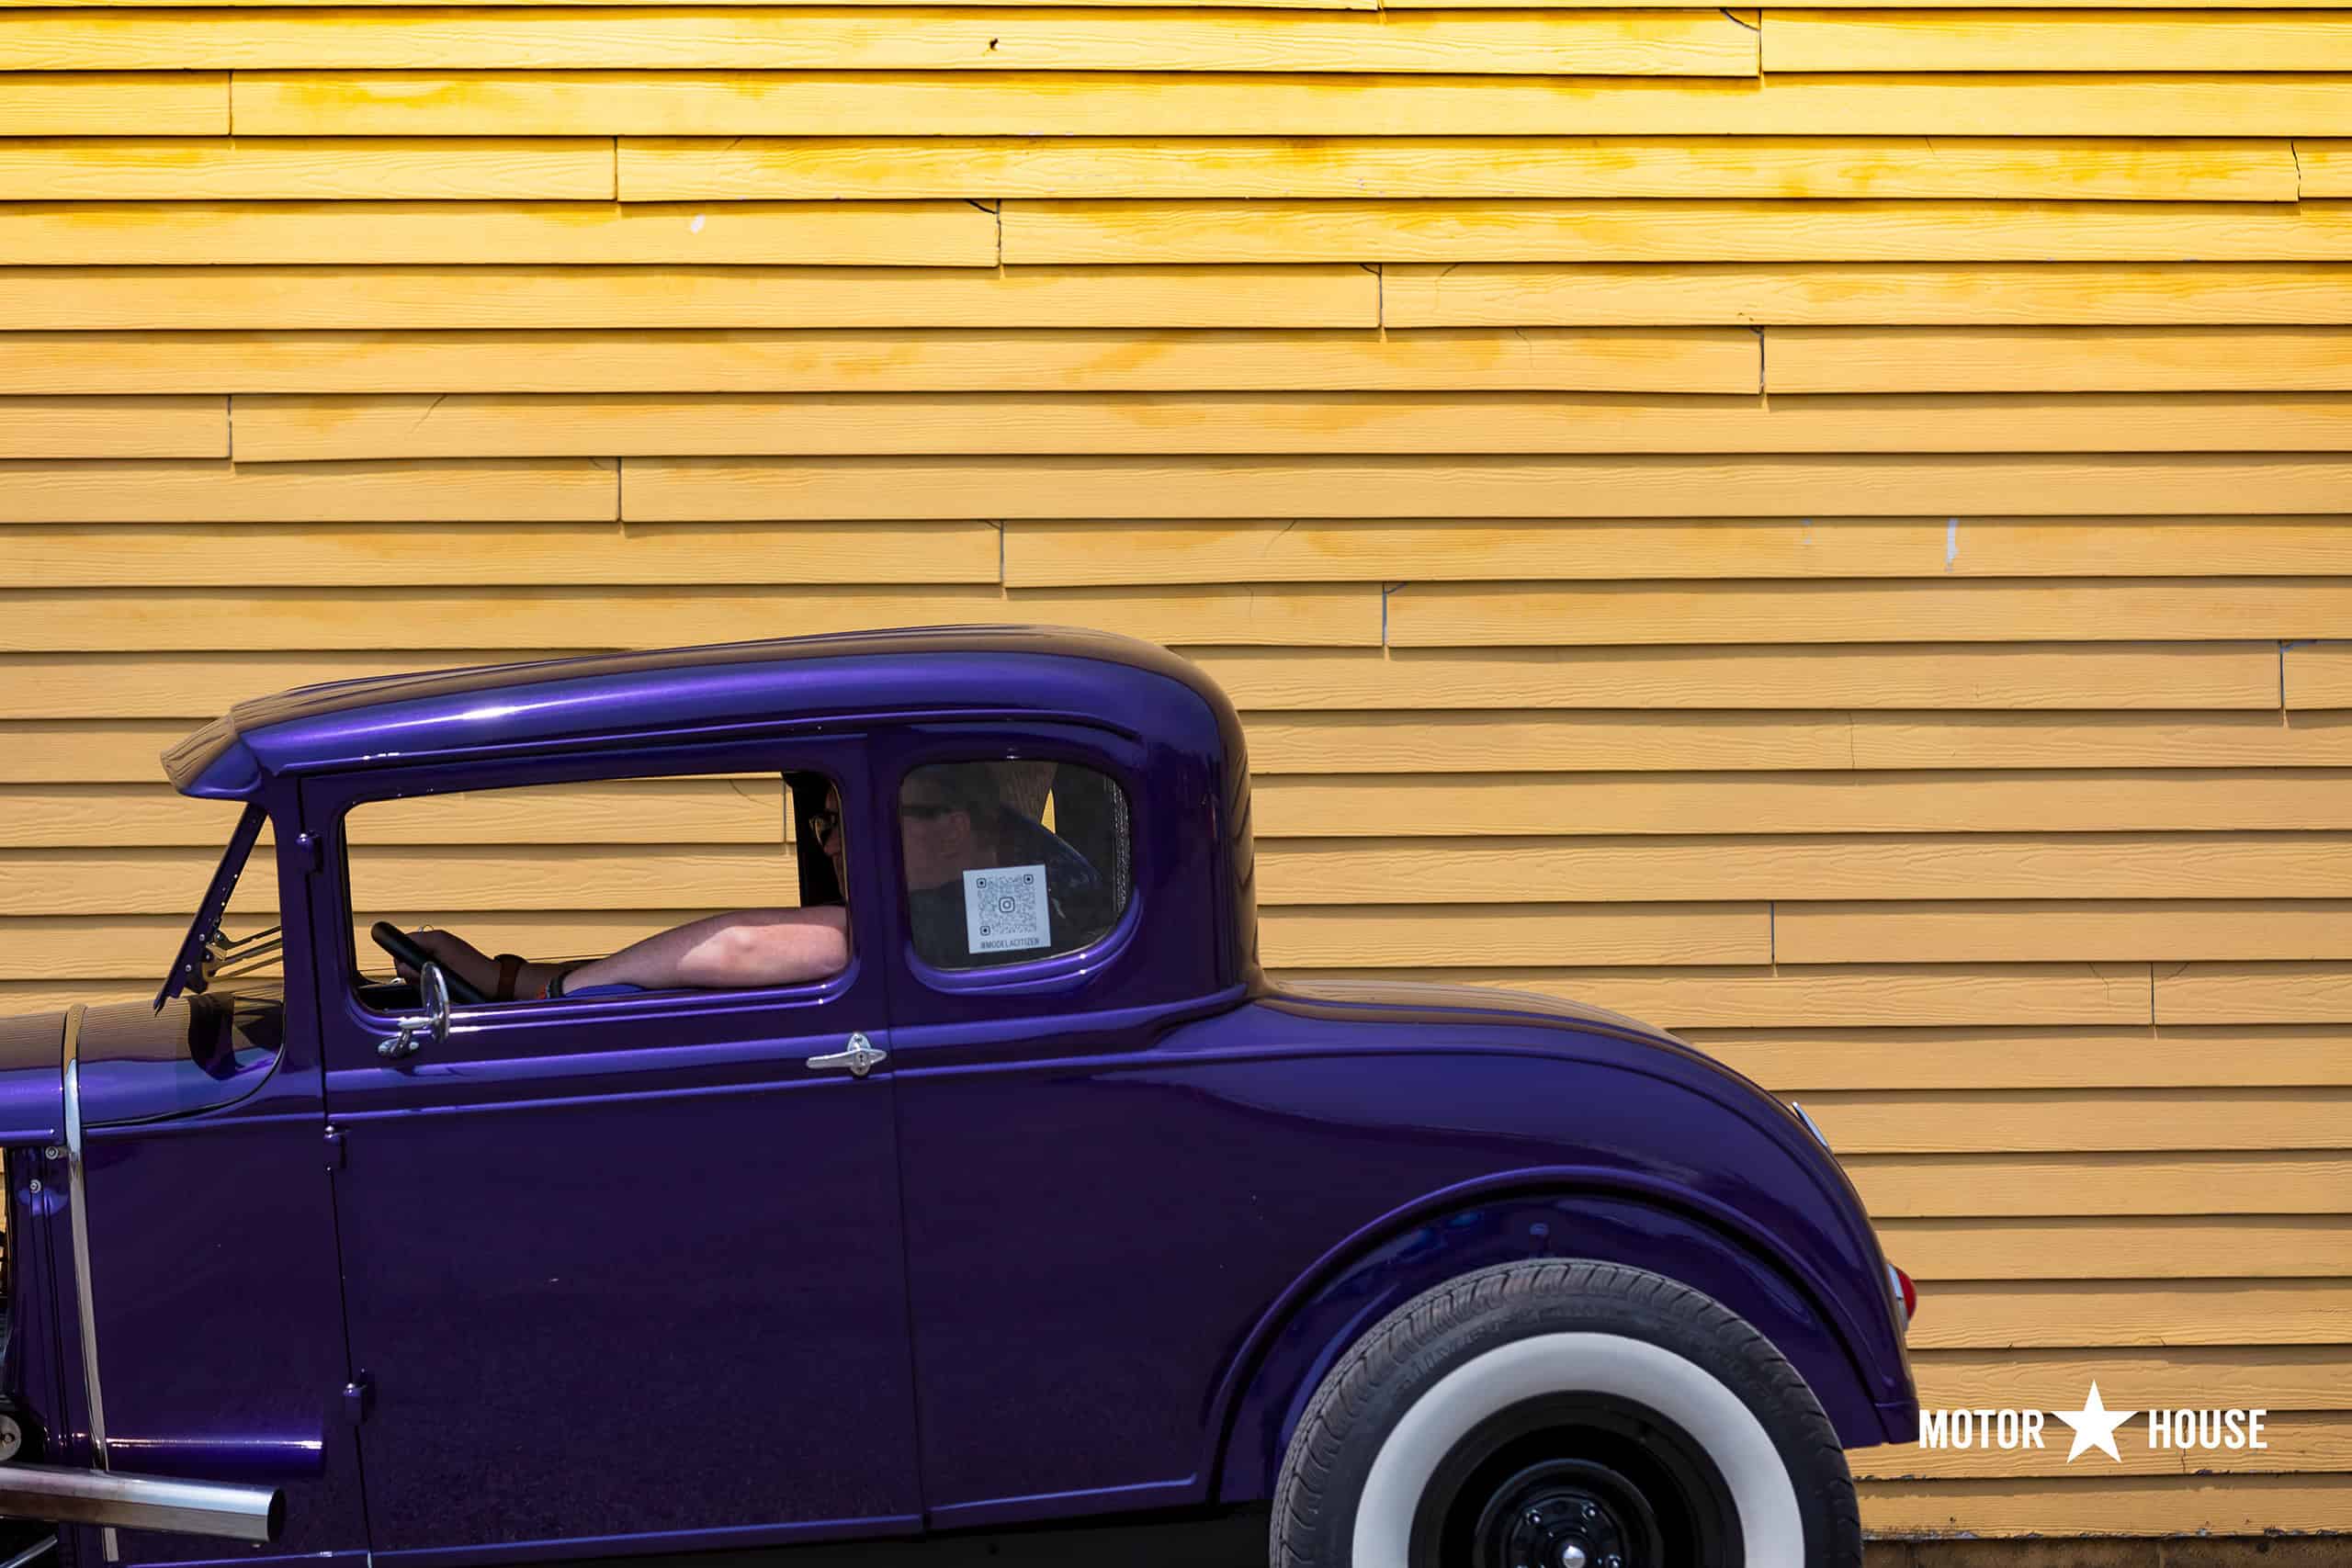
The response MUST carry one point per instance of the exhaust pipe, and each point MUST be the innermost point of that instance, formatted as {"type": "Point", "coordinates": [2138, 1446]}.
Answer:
{"type": "Point", "coordinates": [61, 1496]}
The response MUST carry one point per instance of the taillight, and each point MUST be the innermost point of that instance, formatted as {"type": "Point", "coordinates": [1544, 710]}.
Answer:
{"type": "Point", "coordinates": [1904, 1291]}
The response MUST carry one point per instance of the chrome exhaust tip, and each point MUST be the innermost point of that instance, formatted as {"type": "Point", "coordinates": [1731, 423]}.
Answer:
{"type": "Point", "coordinates": [60, 1495]}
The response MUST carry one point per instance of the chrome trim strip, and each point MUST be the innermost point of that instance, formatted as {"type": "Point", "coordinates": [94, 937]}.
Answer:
{"type": "Point", "coordinates": [44, 1544]}
{"type": "Point", "coordinates": [254, 1513]}
{"type": "Point", "coordinates": [84, 1304]}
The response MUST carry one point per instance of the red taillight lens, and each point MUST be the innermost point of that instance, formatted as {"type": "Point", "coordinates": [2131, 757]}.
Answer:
{"type": "Point", "coordinates": [1904, 1291]}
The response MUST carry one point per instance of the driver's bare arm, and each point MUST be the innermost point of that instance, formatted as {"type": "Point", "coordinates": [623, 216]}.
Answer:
{"type": "Point", "coordinates": [743, 948]}
{"type": "Point", "coordinates": [740, 948]}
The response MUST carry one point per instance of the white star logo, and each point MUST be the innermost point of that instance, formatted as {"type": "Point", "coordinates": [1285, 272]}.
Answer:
{"type": "Point", "coordinates": [2094, 1426]}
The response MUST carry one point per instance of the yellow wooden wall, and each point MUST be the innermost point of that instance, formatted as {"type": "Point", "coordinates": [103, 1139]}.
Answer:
{"type": "Point", "coordinates": [1823, 528]}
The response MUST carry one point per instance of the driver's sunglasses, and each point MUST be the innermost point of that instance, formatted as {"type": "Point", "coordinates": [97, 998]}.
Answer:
{"type": "Point", "coordinates": [824, 824]}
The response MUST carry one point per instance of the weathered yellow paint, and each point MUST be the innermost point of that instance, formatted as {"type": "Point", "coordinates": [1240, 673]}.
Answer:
{"type": "Point", "coordinates": [2178, 1057]}
{"type": "Point", "coordinates": [378, 300]}
{"type": "Point", "coordinates": [193, 103]}
{"type": "Point", "coordinates": [576, 489]}
{"type": "Point", "coordinates": [944, 234]}
{"type": "Point", "coordinates": [1866, 294]}
{"type": "Point", "coordinates": [1687, 43]}
{"type": "Point", "coordinates": [152, 168]}
{"type": "Point", "coordinates": [656, 489]}
{"type": "Point", "coordinates": [2096, 610]}
{"type": "Point", "coordinates": [478, 553]}
{"type": "Point", "coordinates": [1728, 548]}
{"type": "Point", "coordinates": [948, 103]}
{"type": "Point", "coordinates": [1667, 360]}
{"type": "Point", "coordinates": [2058, 359]}
{"type": "Point", "coordinates": [1957, 40]}
{"type": "Point", "coordinates": [767, 168]}
{"type": "Point", "coordinates": [285, 429]}
{"type": "Point", "coordinates": [114, 427]}
{"type": "Point", "coordinates": [2316, 992]}
{"type": "Point", "coordinates": [1112, 231]}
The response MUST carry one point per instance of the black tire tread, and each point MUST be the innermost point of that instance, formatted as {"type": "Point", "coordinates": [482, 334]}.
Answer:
{"type": "Point", "coordinates": [1302, 1494]}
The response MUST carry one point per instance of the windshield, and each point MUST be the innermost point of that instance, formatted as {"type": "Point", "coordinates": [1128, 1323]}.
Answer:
{"type": "Point", "coordinates": [204, 949]}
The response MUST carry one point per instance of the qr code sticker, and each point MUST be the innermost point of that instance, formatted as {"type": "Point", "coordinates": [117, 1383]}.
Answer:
{"type": "Point", "coordinates": [1006, 908]}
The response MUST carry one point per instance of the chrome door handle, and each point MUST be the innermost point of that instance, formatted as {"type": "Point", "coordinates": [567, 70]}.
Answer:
{"type": "Point", "coordinates": [862, 1057]}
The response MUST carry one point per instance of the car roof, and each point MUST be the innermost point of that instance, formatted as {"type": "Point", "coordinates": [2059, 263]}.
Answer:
{"type": "Point", "coordinates": [390, 720]}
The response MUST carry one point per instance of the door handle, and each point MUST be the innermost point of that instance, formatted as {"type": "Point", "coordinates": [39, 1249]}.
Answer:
{"type": "Point", "coordinates": [862, 1057]}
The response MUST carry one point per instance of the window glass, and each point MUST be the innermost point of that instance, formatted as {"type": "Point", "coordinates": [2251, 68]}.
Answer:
{"type": "Point", "coordinates": [1009, 862]}
{"type": "Point", "coordinates": [701, 881]}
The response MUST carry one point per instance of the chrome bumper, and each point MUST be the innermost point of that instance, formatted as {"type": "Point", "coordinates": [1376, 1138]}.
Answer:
{"type": "Point", "coordinates": [64, 1496]}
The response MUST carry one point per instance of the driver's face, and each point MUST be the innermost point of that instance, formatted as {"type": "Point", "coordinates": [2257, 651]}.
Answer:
{"type": "Point", "coordinates": [832, 842]}
{"type": "Point", "coordinates": [935, 835]}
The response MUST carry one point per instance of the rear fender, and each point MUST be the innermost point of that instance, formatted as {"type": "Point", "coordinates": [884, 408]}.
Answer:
{"type": "Point", "coordinates": [1307, 1336]}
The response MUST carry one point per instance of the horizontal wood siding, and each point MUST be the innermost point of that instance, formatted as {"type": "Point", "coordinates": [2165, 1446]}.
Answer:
{"type": "Point", "coordinates": [1829, 529]}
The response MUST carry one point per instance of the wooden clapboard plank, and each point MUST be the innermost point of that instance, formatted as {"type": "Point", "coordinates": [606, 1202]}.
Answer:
{"type": "Point", "coordinates": [1865, 1122]}
{"type": "Point", "coordinates": [2254, 993]}
{"type": "Point", "coordinates": [462, 554]}
{"type": "Point", "coordinates": [882, 233]}
{"type": "Point", "coordinates": [1393, 551]}
{"type": "Point", "coordinates": [740, 810]}
{"type": "Point", "coordinates": [1462, 615]}
{"type": "Point", "coordinates": [1764, 231]}
{"type": "Point", "coordinates": [1269, 681]}
{"type": "Point", "coordinates": [148, 168]}
{"type": "Point", "coordinates": [2317, 675]}
{"type": "Point", "coordinates": [1992, 168]}
{"type": "Point", "coordinates": [1609, 934]}
{"type": "Point", "coordinates": [1757, 997]}
{"type": "Point", "coordinates": [1254, 5]}
{"type": "Point", "coordinates": [2156, 1248]}
{"type": "Point", "coordinates": [114, 427]}
{"type": "Point", "coordinates": [1672, 360]}
{"type": "Point", "coordinates": [1857, 294]}
{"type": "Point", "coordinates": [1570, 43]}
{"type": "Point", "coordinates": [121, 620]}
{"type": "Point", "coordinates": [200, 684]}
{"type": "Point", "coordinates": [2001, 1313]}
{"type": "Point", "coordinates": [1950, 675]}
{"type": "Point", "coordinates": [2057, 359]}
{"type": "Point", "coordinates": [1997, 933]}
{"type": "Point", "coordinates": [1991, 865]}
{"type": "Point", "coordinates": [580, 489]}
{"type": "Point", "coordinates": [1518, 744]}
{"type": "Point", "coordinates": [2183, 1056]}
{"type": "Point", "coordinates": [2014, 1185]}
{"type": "Point", "coordinates": [713, 488]}
{"type": "Point", "coordinates": [386, 299]}
{"type": "Point", "coordinates": [283, 428]}
{"type": "Point", "coordinates": [950, 103]}
{"type": "Point", "coordinates": [193, 103]}
{"type": "Point", "coordinates": [82, 753]}
{"type": "Point", "coordinates": [1799, 41]}
{"type": "Point", "coordinates": [2279, 1378]}
{"type": "Point", "coordinates": [2180, 1505]}
{"type": "Point", "coordinates": [2324, 168]}
{"type": "Point", "coordinates": [1610, 803]}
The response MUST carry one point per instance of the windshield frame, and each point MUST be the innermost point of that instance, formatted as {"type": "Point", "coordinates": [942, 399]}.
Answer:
{"type": "Point", "coordinates": [186, 972]}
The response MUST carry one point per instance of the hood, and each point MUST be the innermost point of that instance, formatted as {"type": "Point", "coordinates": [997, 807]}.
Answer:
{"type": "Point", "coordinates": [32, 1078]}
{"type": "Point", "coordinates": [198, 1053]}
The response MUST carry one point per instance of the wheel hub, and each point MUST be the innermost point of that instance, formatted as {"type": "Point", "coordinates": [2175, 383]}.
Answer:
{"type": "Point", "coordinates": [1566, 1514]}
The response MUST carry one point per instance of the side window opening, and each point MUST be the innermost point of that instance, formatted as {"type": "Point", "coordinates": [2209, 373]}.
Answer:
{"type": "Point", "coordinates": [542, 893]}
{"type": "Point", "coordinates": [1010, 861]}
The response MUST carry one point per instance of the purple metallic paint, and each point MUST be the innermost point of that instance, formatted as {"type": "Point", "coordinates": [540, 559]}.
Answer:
{"type": "Point", "coordinates": [628, 1277]}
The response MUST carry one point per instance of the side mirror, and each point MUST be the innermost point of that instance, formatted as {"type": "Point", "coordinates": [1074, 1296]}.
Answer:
{"type": "Point", "coordinates": [433, 989]}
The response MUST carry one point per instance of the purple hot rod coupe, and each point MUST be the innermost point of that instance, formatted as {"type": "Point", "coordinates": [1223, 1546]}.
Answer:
{"type": "Point", "coordinates": [1006, 1188]}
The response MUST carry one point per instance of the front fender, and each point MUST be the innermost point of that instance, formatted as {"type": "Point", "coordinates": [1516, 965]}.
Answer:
{"type": "Point", "coordinates": [1528, 1216]}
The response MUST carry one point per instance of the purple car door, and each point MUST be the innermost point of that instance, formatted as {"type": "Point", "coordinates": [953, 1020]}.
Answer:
{"type": "Point", "coordinates": [624, 1271]}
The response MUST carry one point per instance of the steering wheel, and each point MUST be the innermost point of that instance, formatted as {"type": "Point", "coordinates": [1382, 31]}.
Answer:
{"type": "Point", "coordinates": [410, 951]}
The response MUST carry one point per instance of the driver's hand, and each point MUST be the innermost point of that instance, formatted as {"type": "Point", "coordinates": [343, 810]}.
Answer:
{"type": "Point", "coordinates": [456, 954]}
